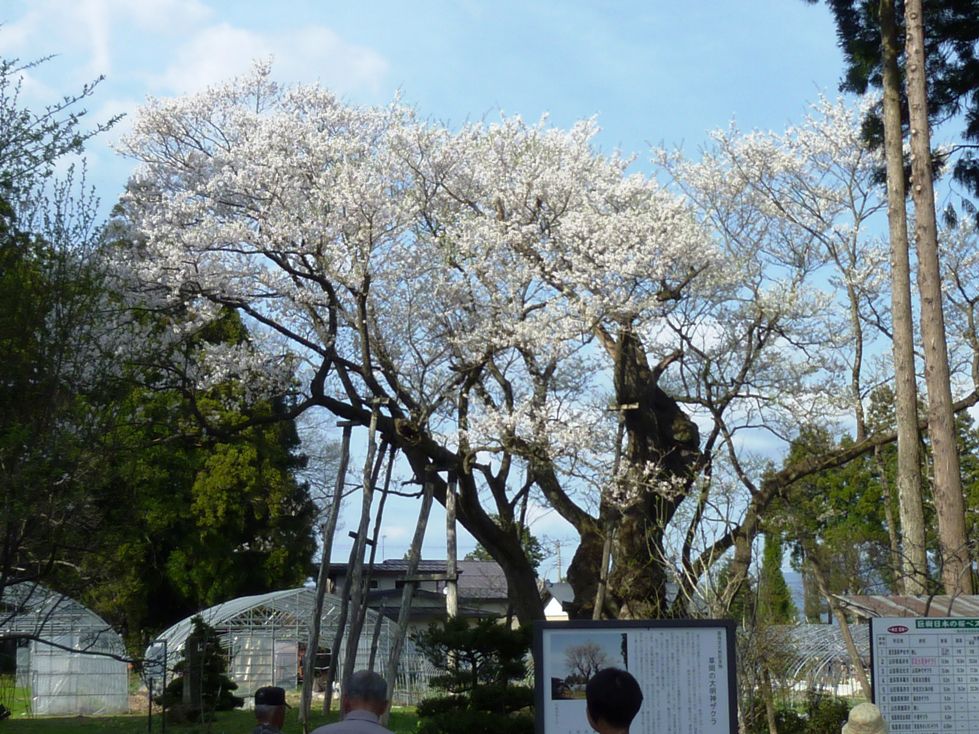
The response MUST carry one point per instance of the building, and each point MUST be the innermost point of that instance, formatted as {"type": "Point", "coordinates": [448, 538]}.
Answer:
{"type": "Point", "coordinates": [482, 589]}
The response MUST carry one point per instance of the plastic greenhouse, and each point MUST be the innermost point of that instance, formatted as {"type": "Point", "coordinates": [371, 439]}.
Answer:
{"type": "Point", "coordinates": [264, 637]}
{"type": "Point", "coordinates": [64, 653]}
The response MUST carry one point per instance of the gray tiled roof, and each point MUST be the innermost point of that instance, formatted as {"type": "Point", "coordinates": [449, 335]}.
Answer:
{"type": "Point", "coordinates": [477, 579]}
{"type": "Point", "coordinates": [482, 580]}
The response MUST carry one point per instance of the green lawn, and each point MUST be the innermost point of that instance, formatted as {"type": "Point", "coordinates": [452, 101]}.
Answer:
{"type": "Point", "coordinates": [15, 699]}
{"type": "Point", "coordinates": [227, 722]}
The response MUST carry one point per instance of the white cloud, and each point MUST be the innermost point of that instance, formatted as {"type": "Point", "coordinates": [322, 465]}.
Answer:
{"type": "Point", "coordinates": [97, 30]}
{"type": "Point", "coordinates": [314, 53]}
{"type": "Point", "coordinates": [173, 16]}
{"type": "Point", "coordinates": [211, 55]}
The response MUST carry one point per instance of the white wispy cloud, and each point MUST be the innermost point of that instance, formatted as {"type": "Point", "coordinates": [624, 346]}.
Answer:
{"type": "Point", "coordinates": [173, 47]}
{"type": "Point", "coordinates": [314, 53]}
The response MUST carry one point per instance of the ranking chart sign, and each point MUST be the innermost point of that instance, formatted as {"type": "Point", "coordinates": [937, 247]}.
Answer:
{"type": "Point", "coordinates": [685, 668]}
{"type": "Point", "coordinates": [926, 673]}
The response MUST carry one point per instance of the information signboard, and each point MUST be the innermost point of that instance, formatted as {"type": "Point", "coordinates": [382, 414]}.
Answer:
{"type": "Point", "coordinates": [926, 673]}
{"type": "Point", "coordinates": [686, 669]}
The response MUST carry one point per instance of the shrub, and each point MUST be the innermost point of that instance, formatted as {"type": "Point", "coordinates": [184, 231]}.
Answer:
{"type": "Point", "coordinates": [822, 714]}
{"type": "Point", "coordinates": [475, 722]}
{"type": "Point", "coordinates": [486, 658]}
{"type": "Point", "coordinates": [825, 714]}
{"type": "Point", "coordinates": [436, 705]}
{"type": "Point", "coordinates": [216, 688]}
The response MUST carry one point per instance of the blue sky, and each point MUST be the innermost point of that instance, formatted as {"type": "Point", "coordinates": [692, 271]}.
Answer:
{"type": "Point", "coordinates": [653, 72]}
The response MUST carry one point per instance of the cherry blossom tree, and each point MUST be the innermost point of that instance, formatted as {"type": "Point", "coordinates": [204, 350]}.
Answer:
{"type": "Point", "coordinates": [784, 339]}
{"type": "Point", "coordinates": [479, 286]}
{"type": "Point", "coordinates": [509, 304]}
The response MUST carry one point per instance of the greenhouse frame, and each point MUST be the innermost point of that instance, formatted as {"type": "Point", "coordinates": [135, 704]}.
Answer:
{"type": "Point", "coordinates": [68, 658]}
{"type": "Point", "coordinates": [264, 638]}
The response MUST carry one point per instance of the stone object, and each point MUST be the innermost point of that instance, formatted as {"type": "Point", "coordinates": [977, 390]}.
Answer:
{"type": "Point", "coordinates": [865, 718]}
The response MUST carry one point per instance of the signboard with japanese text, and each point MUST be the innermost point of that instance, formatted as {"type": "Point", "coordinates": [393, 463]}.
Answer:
{"type": "Point", "coordinates": [926, 673]}
{"type": "Point", "coordinates": [685, 668]}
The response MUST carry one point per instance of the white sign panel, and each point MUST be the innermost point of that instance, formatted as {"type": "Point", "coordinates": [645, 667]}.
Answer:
{"type": "Point", "coordinates": [926, 673]}
{"type": "Point", "coordinates": [685, 668]}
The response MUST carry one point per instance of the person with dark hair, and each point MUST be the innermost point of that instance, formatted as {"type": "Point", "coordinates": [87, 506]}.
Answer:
{"type": "Point", "coordinates": [270, 710]}
{"type": "Point", "coordinates": [613, 699]}
{"type": "Point", "coordinates": [363, 701]}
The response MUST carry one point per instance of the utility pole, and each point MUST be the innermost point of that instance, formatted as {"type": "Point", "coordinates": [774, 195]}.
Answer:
{"type": "Point", "coordinates": [560, 578]}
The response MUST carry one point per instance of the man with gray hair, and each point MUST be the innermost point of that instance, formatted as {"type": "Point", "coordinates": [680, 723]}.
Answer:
{"type": "Point", "coordinates": [363, 701]}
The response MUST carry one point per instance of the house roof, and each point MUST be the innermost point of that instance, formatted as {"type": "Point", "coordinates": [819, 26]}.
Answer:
{"type": "Point", "coordinates": [482, 580]}
{"type": "Point", "coordinates": [477, 579]}
{"type": "Point", "coordinates": [560, 590]}
{"type": "Point", "coordinates": [941, 605]}
{"type": "Point", "coordinates": [424, 605]}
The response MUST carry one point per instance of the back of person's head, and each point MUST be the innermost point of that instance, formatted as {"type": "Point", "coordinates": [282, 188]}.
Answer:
{"type": "Point", "coordinates": [270, 705]}
{"type": "Point", "coordinates": [264, 712]}
{"type": "Point", "coordinates": [367, 687]}
{"type": "Point", "coordinates": [613, 696]}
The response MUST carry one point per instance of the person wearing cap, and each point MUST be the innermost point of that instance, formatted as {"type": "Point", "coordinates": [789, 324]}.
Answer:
{"type": "Point", "coordinates": [363, 701]}
{"type": "Point", "coordinates": [270, 710]}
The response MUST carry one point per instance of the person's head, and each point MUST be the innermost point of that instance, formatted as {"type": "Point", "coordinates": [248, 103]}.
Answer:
{"type": "Point", "coordinates": [365, 691]}
{"type": "Point", "coordinates": [613, 699]}
{"type": "Point", "coordinates": [270, 705]}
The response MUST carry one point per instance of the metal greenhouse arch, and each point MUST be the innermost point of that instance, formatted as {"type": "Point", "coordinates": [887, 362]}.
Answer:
{"type": "Point", "coordinates": [68, 658]}
{"type": "Point", "coordinates": [264, 637]}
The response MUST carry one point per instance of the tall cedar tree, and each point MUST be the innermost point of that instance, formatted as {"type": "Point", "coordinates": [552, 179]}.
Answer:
{"type": "Point", "coordinates": [942, 81]}
{"type": "Point", "coordinates": [50, 410]}
{"type": "Point", "coordinates": [193, 519]}
{"type": "Point", "coordinates": [951, 68]}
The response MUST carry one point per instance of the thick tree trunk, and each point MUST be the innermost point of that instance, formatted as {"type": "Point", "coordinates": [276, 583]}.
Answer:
{"type": "Point", "coordinates": [949, 504]}
{"type": "Point", "coordinates": [913, 569]}
{"type": "Point", "coordinates": [661, 447]}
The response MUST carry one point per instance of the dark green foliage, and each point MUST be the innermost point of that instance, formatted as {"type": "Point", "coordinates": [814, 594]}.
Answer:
{"type": "Point", "coordinates": [437, 705]}
{"type": "Point", "coordinates": [110, 488]}
{"type": "Point", "coordinates": [488, 657]}
{"type": "Point", "coordinates": [503, 699]}
{"type": "Point", "coordinates": [475, 722]}
{"type": "Point", "coordinates": [836, 518]}
{"type": "Point", "coordinates": [48, 295]}
{"type": "Point", "coordinates": [825, 714]}
{"type": "Point", "coordinates": [822, 714]}
{"type": "Point", "coordinates": [197, 521]}
{"type": "Point", "coordinates": [216, 688]}
{"type": "Point", "coordinates": [52, 407]}
{"type": "Point", "coordinates": [787, 719]}
{"type": "Point", "coordinates": [775, 605]}
{"type": "Point", "coordinates": [485, 652]}
{"type": "Point", "coordinates": [951, 60]}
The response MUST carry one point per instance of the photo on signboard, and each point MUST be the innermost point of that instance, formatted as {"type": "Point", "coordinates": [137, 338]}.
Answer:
{"type": "Point", "coordinates": [578, 655]}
